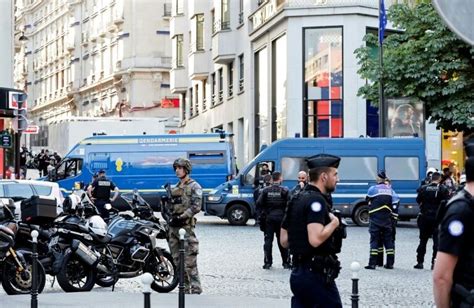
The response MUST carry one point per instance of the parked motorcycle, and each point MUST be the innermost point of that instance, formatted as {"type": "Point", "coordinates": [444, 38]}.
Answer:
{"type": "Point", "coordinates": [15, 264]}
{"type": "Point", "coordinates": [133, 250]}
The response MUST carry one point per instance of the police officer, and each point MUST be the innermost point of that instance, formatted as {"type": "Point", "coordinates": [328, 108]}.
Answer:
{"type": "Point", "coordinates": [429, 198]}
{"type": "Point", "coordinates": [272, 204]}
{"type": "Point", "coordinates": [302, 181]}
{"type": "Point", "coordinates": [453, 275]}
{"type": "Point", "coordinates": [100, 190]}
{"type": "Point", "coordinates": [312, 233]}
{"type": "Point", "coordinates": [395, 206]}
{"type": "Point", "coordinates": [380, 221]}
{"type": "Point", "coordinates": [186, 202]}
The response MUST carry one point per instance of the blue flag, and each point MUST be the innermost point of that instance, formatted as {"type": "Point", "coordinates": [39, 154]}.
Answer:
{"type": "Point", "coordinates": [382, 21]}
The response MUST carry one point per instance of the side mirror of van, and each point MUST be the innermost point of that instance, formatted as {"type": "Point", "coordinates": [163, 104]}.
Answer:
{"type": "Point", "coordinates": [242, 180]}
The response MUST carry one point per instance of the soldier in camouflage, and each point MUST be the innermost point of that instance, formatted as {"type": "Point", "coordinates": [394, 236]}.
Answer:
{"type": "Point", "coordinates": [186, 202]}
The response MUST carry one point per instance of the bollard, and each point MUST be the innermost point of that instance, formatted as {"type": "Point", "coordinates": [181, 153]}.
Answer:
{"type": "Point", "coordinates": [182, 232]}
{"type": "Point", "coordinates": [34, 270]}
{"type": "Point", "coordinates": [355, 267]}
{"type": "Point", "coordinates": [147, 279]}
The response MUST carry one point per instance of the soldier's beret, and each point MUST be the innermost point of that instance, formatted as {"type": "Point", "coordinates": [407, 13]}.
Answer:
{"type": "Point", "coordinates": [323, 160]}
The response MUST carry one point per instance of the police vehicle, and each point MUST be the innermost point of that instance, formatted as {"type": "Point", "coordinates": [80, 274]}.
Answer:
{"type": "Point", "coordinates": [403, 160]}
{"type": "Point", "coordinates": [145, 162]}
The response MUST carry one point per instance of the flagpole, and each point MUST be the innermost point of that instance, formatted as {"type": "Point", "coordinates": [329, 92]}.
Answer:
{"type": "Point", "coordinates": [381, 90]}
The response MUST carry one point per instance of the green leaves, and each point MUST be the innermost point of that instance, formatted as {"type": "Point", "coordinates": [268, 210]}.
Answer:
{"type": "Point", "coordinates": [426, 61]}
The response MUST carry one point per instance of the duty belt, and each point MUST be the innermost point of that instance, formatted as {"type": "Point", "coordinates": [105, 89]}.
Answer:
{"type": "Point", "coordinates": [328, 266]}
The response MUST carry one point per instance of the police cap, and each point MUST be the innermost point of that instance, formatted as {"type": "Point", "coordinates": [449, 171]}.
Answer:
{"type": "Point", "coordinates": [323, 160]}
{"type": "Point", "coordinates": [101, 171]}
{"type": "Point", "coordinates": [381, 174]}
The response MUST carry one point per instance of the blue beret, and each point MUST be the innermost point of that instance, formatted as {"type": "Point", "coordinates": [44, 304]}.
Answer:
{"type": "Point", "coordinates": [323, 160]}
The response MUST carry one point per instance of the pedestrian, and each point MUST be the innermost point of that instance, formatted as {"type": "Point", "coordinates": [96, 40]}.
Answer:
{"type": "Point", "coordinates": [272, 204]}
{"type": "Point", "coordinates": [23, 159]}
{"type": "Point", "coordinates": [186, 202]}
{"type": "Point", "coordinates": [429, 198]}
{"type": "Point", "coordinates": [448, 181]}
{"type": "Point", "coordinates": [56, 156]}
{"type": "Point", "coordinates": [380, 221]}
{"type": "Point", "coordinates": [454, 271]}
{"type": "Point", "coordinates": [100, 192]}
{"type": "Point", "coordinates": [314, 236]}
{"type": "Point", "coordinates": [302, 181]}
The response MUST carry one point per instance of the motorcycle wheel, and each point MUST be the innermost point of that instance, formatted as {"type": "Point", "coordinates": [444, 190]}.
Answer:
{"type": "Point", "coordinates": [164, 271]}
{"type": "Point", "coordinates": [15, 282]}
{"type": "Point", "coordinates": [76, 275]}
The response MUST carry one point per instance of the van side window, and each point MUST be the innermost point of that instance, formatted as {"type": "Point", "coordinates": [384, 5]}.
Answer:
{"type": "Point", "coordinates": [357, 168]}
{"type": "Point", "coordinates": [206, 157]}
{"type": "Point", "coordinates": [402, 168]}
{"type": "Point", "coordinates": [290, 166]}
{"type": "Point", "coordinates": [69, 168]}
{"type": "Point", "coordinates": [250, 176]}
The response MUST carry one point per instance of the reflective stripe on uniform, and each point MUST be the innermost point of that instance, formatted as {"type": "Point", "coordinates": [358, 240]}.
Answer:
{"type": "Point", "coordinates": [380, 208]}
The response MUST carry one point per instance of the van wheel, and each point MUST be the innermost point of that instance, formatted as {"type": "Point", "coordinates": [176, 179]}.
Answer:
{"type": "Point", "coordinates": [361, 215]}
{"type": "Point", "coordinates": [237, 214]}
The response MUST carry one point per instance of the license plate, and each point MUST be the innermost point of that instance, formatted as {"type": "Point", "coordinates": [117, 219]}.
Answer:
{"type": "Point", "coordinates": [53, 241]}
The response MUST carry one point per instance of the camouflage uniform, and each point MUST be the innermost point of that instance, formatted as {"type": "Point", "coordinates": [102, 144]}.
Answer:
{"type": "Point", "coordinates": [187, 200]}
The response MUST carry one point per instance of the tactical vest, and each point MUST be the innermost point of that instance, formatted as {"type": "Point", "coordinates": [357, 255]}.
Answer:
{"type": "Point", "coordinates": [102, 190]}
{"type": "Point", "coordinates": [430, 197]}
{"type": "Point", "coordinates": [275, 201]}
{"type": "Point", "coordinates": [181, 198]}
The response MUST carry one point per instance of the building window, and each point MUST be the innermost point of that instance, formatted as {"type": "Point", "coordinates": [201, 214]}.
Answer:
{"type": "Point", "coordinates": [183, 106]}
{"type": "Point", "coordinates": [200, 32]}
{"type": "Point", "coordinates": [241, 12]}
{"type": "Point", "coordinates": [204, 95]}
{"type": "Point", "coordinates": [214, 22]}
{"type": "Point", "coordinates": [191, 103]}
{"type": "Point", "coordinates": [196, 98]}
{"type": "Point", "coordinates": [279, 82]}
{"type": "Point", "coordinates": [221, 85]}
{"type": "Point", "coordinates": [323, 100]}
{"type": "Point", "coordinates": [213, 89]}
{"type": "Point", "coordinates": [241, 72]}
{"type": "Point", "coordinates": [230, 79]}
{"type": "Point", "coordinates": [167, 9]}
{"type": "Point", "coordinates": [179, 7]}
{"type": "Point", "coordinates": [225, 15]}
{"type": "Point", "coordinates": [178, 57]}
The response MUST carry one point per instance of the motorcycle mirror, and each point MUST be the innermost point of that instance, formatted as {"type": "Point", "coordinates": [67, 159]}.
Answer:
{"type": "Point", "coordinates": [108, 206]}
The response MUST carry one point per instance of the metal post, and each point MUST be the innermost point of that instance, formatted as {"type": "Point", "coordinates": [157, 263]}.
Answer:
{"type": "Point", "coordinates": [182, 232]}
{"type": "Point", "coordinates": [17, 155]}
{"type": "Point", "coordinates": [382, 117]}
{"type": "Point", "coordinates": [147, 279]}
{"type": "Point", "coordinates": [34, 271]}
{"type": "Point", "coordinates": [355, 267]}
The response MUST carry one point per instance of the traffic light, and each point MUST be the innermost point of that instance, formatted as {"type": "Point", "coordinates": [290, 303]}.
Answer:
{"type": "Point", "coordinates": [22, 112]}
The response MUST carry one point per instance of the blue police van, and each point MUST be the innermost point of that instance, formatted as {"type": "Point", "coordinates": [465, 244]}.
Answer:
{"type": "Point", "coordinates": [145, 162]}
{"type": "Point", "coordinates": [403, 159]}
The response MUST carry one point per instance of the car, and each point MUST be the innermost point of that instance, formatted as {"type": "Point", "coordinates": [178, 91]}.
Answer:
{"type": "Point", "coordinates": [19, 190]}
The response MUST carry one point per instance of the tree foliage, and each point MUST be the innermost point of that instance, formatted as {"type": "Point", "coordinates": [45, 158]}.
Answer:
{"type": "Point", "coordinates": [425, 60]}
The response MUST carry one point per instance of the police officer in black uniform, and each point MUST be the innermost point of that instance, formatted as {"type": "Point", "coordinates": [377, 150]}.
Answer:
{"type": "Point", "coordinates": [453, 275]}
{"type": "Point", "coordinates": [314, 236]}
{"type": "Point", "coordinates": [100, 193]}
{"type": "Point", "coordinates": [429, 198]}
{"type": "Point", "coordinates": [271, 205]}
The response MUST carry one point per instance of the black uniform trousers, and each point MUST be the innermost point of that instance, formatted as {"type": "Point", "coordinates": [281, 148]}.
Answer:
{"type": "Point", "coordinates": [428, 228]}
{"type": "Point", "coordinates": [310, 289]}
{"type": "Point", "coordinates": [380, 256]}
{"type": "Point", "coordinates": [100, 205]}
{"type": "Point", "coordinates": [381, 234]}
{"type": "Point", "coordinates": [272, 227]}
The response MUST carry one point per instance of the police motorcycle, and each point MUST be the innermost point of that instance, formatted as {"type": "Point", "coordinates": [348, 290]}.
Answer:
{"type": "Point", "coordinates": [133, 247]}
{"type": "Point", "coordinates": [15, 264]}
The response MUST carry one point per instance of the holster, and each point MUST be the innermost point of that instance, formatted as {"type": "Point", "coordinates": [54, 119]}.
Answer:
{"type": "Point", "coordinates": [329, 266]}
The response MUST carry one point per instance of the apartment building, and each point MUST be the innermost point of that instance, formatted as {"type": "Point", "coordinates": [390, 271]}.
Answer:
{"type": "Point", "coordinates": [94, 58]}
{"type": "Point", "coordinates": [266, 70]}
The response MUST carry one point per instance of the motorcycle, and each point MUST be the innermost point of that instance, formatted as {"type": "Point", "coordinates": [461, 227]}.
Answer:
{"type": "Point", "coordinates": [16, 265]}
{"type": "Point", "coordinates": [132, 249]}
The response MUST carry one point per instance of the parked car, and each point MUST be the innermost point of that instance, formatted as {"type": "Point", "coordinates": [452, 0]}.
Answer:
{"type": "Point", "coordinates": [19, 190]}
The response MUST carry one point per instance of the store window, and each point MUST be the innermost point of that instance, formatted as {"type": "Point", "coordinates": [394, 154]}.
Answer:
{"type": "Point", "coordinates": [323, 72]}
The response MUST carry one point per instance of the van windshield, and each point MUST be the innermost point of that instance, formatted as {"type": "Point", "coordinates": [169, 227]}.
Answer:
{"type": "Point", "coordinates": [69, 167]}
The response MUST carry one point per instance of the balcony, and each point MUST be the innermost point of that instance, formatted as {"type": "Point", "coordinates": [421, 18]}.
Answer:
{"type": "Point", "coordinates": [198, 65]}
{"type": "Point", "coordinates": [177, 24]}
{"type": "Point", "coordinates": [223, 47]}
{"type": "Point", "coordinates": [178, 80]}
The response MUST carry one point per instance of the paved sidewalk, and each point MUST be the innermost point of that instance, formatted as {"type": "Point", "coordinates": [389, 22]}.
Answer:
{"type": "Point", "coordinates": [114, 300]}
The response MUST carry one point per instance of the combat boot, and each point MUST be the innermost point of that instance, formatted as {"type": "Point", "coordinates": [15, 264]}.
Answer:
{"type": "Point", "coordinates": [370, 267]}
{"type": "Point", "coordinates": [266, 266]}
{"type": "Point", "coordinates": [418, 266]}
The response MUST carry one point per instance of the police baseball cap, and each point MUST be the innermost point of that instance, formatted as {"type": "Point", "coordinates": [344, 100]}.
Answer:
{"type": "Point", "coordinates": [323, 160]}
{"type": "Point", "coordinates": [101, 171]}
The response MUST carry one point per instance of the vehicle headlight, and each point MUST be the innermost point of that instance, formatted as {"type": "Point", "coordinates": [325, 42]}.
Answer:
{"type": "Point", "coordinates": [213, 198]}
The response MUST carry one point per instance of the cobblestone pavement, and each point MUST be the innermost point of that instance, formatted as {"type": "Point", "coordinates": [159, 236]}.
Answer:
{"type": "Point", "coordinates": [231, 258]}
